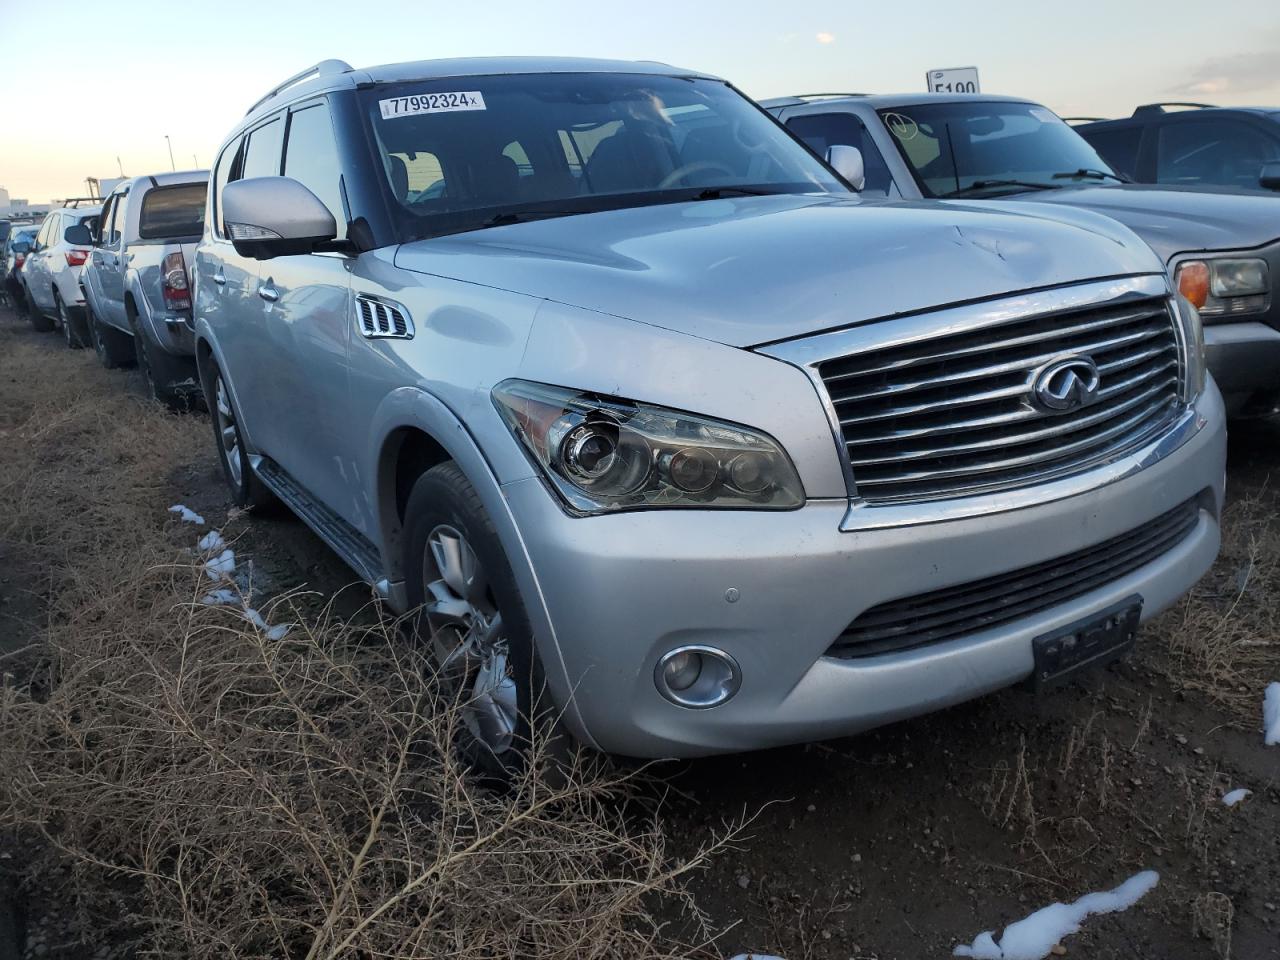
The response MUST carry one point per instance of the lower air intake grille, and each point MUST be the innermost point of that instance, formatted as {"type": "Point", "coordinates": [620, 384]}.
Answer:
{"type": "Point", "coordinates": [972, 607]}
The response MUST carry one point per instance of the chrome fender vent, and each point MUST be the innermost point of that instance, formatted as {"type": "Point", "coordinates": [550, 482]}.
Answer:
{"type": "Point", "coordinates": [382, 319]}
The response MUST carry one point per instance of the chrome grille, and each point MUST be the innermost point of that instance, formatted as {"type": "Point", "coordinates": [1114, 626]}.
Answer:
{"type": "Point", "coordinates": [942, 416]}
{"type": "Point", "coordinates": [378, 318]}
{"type": "Point", "coordinates": [981, 604]}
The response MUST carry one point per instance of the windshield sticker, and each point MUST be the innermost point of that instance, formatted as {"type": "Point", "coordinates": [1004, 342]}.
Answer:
{"type": "Point", "coordinates": [421, 103]}
{"type": "Point", "coordinates": [904, 128]}
{"type": "Point", "coordinates": [1044, 116]}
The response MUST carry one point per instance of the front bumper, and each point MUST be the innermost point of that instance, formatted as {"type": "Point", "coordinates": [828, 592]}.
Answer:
{"type": "Point", "coordinates": [622, 590]}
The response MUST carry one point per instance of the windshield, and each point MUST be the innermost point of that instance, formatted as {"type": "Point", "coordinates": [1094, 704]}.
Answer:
{"type": "Point", "coordinates": [956, 148]}
{"type": "Point", "coordinates": [471, 152]}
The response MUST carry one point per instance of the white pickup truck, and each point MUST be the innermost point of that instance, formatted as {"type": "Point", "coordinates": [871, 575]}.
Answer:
{"type": "Point", "coordinates": [136, 283]}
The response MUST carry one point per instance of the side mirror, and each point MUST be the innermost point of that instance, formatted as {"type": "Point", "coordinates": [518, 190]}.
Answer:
{"type": "Point", "coordinates": [78, 235]}
{"type": "Point", "coordinates": [1270, 177]}
{"type": "Point", "coordinates": [847, 161]}
{"type": "Point", "coordinates": [275, 217]}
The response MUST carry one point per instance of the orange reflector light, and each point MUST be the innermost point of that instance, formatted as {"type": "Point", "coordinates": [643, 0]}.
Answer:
{"type": "Point", "coordinates": [1193, 282]}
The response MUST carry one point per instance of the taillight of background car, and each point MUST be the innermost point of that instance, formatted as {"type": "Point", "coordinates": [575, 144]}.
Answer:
{"type": "Point", "coordinates": [177, 292]}
{"type": "Point", "coordinates": [76, 258]}
{"type": "Point", "coordinates": [18, 260]}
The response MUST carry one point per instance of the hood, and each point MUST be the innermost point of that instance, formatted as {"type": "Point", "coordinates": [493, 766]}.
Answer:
{"type": "Point", "coordinates": [759, 269]}
{"type": "Point", "coordinates": [1178, 219]}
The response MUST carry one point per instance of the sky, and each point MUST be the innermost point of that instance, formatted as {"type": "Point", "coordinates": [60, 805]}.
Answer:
{"type": "Point", "coordinates": [104, 87]}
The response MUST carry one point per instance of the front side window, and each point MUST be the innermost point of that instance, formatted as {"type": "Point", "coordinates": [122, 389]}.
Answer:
{"type": "Point", "coordinates": [1226, 153]}
{"type": "Point", "coordinates": [172, 211]}
{"type": "Point", "coordinates": [104, 219]}
{"type": "Point", "coordinates": [118, 218]}
{"type": "Point", "coordinates": [820, 131]}
{"type": "Point", "coordinates": [978, 148]}
{"type": "Point", "coordinates": [311, 158]}
{"type": "Point", "coordinates": [46, 230]}
{"type": "Point", "coordinates": [470, 152]}
{"type": "Point", "coordinates": [221, 174]}
{"type": "Point", "coordinates": [262, 156]}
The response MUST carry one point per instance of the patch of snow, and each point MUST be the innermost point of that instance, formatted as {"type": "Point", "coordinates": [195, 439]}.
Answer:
{"type": "Point", "coordinates": [187, 516]}
{"type": "Point", "coordinates": [1034, 937]}
{"type": "Point", "coordinates": [223, 565]}
{"type": "Point", "coordinates": [755, 956]}
{"type": "Point", "coordinates": [210, 542]}
{"type": "Point", "coordinates": [254, 617]}
{"type": "Point", "coordinates": [222, 597]}
{"type": "Point", "coordinates": [1271, 715]}
{"type": "Point", "coordinates": [1235, 796]}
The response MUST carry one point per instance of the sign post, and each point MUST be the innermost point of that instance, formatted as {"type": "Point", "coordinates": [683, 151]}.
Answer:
{"type": "Point", "coordinates": [952, 80]}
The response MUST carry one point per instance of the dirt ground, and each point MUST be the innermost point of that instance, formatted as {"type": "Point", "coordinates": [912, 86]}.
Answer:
{"type": "Point", "coordinates": [907, 841]}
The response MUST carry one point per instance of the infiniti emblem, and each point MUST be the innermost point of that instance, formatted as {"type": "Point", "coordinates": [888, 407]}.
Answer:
{"type": "Point", "coordinates": [1067, 384]}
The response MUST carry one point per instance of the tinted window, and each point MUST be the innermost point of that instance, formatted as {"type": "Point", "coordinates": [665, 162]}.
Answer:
{"type": "Point", "coordinates": [221, 173]}
{"type": "Point", "coordinates": [822, 130]}
{"type": "Point", "coordinates": [1223, 152]}
{"type": "Point", "coordinates": [176, 211]}
{"type": "Point", "coordinates": [262, 158]}
{"type": "Point", "coordinates": [5, 227]}
{"type": "Point", "coordinates": [104, 219]}
{"type": "Point", "coordinates": [311, 158]}
{"type": "Point", "coordinates": [46, 229]}
{"type": "Point", "coordinates": [1118, 146]}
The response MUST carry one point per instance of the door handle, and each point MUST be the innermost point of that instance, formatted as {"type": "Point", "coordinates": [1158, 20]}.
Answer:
{"type": "Point", "coordinates": [268, 293]}
{"type": "Point", "coordinates": [219, 278]}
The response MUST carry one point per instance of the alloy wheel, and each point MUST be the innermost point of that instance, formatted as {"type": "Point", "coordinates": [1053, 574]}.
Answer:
{"type": "Point", "coordinates": [232, 451]}
{"type": "Point", "coordinates": [468, 639]}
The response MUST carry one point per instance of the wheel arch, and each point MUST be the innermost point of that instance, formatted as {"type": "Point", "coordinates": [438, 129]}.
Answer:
{"type": "Point", "coordinates": [415, 431]}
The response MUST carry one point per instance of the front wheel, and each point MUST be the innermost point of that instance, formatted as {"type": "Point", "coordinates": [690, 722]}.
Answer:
{"type": "Point", "coordinates": [472, 618]}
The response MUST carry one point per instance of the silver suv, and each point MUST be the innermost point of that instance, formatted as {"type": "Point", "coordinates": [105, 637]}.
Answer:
{"type": "Point", "coordinates": [606, 376]}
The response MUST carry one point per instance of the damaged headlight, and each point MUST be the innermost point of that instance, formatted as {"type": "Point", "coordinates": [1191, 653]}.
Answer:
{"type": "Point", "coordinates": [604, 453]}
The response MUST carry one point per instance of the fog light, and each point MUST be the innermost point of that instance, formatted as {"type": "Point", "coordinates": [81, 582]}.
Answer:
{"type": "Point", "coordinates": [697, 677]}
{"type": "Point", "coordinates": [682, 670]}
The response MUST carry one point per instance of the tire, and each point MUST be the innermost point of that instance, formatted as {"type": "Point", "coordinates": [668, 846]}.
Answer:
{"type": "Point", "coordinates": [161, 370]}
{"type": "Point", "coordinates": [73, 329]}
{"type": "Point", "coordinates": [443, 504]}
{"type": "Point", "coordinates": [245, 488]}
{"type": "Point", "coordinates": [113, 347]}
{"type": "Point", "coordinates": [39, 321]}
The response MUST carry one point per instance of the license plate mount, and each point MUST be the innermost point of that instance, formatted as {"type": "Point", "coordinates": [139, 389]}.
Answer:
{"type": "Point", "coordinates": [1093, 641]}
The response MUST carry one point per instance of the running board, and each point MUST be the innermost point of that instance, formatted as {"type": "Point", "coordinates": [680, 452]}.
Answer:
{"type": "Point", "coordinates": [355, 549]}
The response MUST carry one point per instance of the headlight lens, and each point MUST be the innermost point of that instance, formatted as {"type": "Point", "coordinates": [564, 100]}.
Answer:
{"type": "Point", "coordinates": [1225, 286]}
{"type": "Point", "coordinates": [605, 454]}
{"type": "Point", "coordinates": [1193, 337]}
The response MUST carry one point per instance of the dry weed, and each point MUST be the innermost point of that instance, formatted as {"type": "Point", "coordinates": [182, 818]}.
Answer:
{"type": "Point", "coordinates": [217, 794]}
{"type": "Point", "coordinates": [1212, 915]}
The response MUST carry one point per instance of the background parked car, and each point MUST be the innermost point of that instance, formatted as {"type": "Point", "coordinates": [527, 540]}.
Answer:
{"type": "Point", "coordinates": [51, 274]}
{"type": "Point", "coordinates": [136, 285]}
{"type": "Point", "coordinates": [13, 253]}
{"type": "Point", "coordinates": [1222, 247]}
{"type": "Point", "coordinates": [1200, 146]}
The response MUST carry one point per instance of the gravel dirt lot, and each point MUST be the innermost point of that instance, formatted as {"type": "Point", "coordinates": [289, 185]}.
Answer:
{"type": "Point", "coordinates": [904, 842]}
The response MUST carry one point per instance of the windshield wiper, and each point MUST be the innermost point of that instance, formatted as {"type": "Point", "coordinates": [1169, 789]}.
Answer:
{"type": "Point", "coordinates": [525, 216]}
{"type": "Point", "coordinates": [988, 184]}
{"type": "Point", "coordinates": [1086, 173]}
{"type": "Point", "coordinates": [715, 193]}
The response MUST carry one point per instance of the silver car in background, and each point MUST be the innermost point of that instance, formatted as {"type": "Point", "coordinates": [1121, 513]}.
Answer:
{"type": "Point", "coordinates": [624, 393]}
{"type": "Point", "coordinates": [137, 282]}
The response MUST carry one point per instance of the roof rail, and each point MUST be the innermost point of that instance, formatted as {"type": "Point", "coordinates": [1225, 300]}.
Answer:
{"type": "Point", "coordinates": [1084, 119]}
{"type": "Point", "coordinates": [74, 202]}
{"type": "Point", "coordinates": [1160, 107]}
{"type": "Point", "coordinates": [819, 96]}
{"type": "Point", "coordinates": [322, 69]}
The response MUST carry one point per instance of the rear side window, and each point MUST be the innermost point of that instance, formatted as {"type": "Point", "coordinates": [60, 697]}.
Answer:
{"type": "Point", "coordinates": [262, 158]}
{"type": "Point", "coordinates": [311, 158]}
{"type": "Point", "coordinates": [176, 211]}
{"type": "Point", "coordinates": [1117, 145]}
{"type": "Point", "coordinates": [822, 130]}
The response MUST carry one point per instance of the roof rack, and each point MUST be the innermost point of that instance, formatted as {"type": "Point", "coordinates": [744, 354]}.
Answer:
{"type": "Point", "coordinates": [322, 69]}
{"type": "Point", "coordinates": [820, 96]}
{"type": "Point", "coordinates": [74, 202]}
{"type": "Point", "coordinates": [1160, 107]}
{"type": "Point", "coordinates": [1084, 119]}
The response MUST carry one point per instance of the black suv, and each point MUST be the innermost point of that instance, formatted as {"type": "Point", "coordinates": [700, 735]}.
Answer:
{"type": "Point", "coordinates": [1193, 144]}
